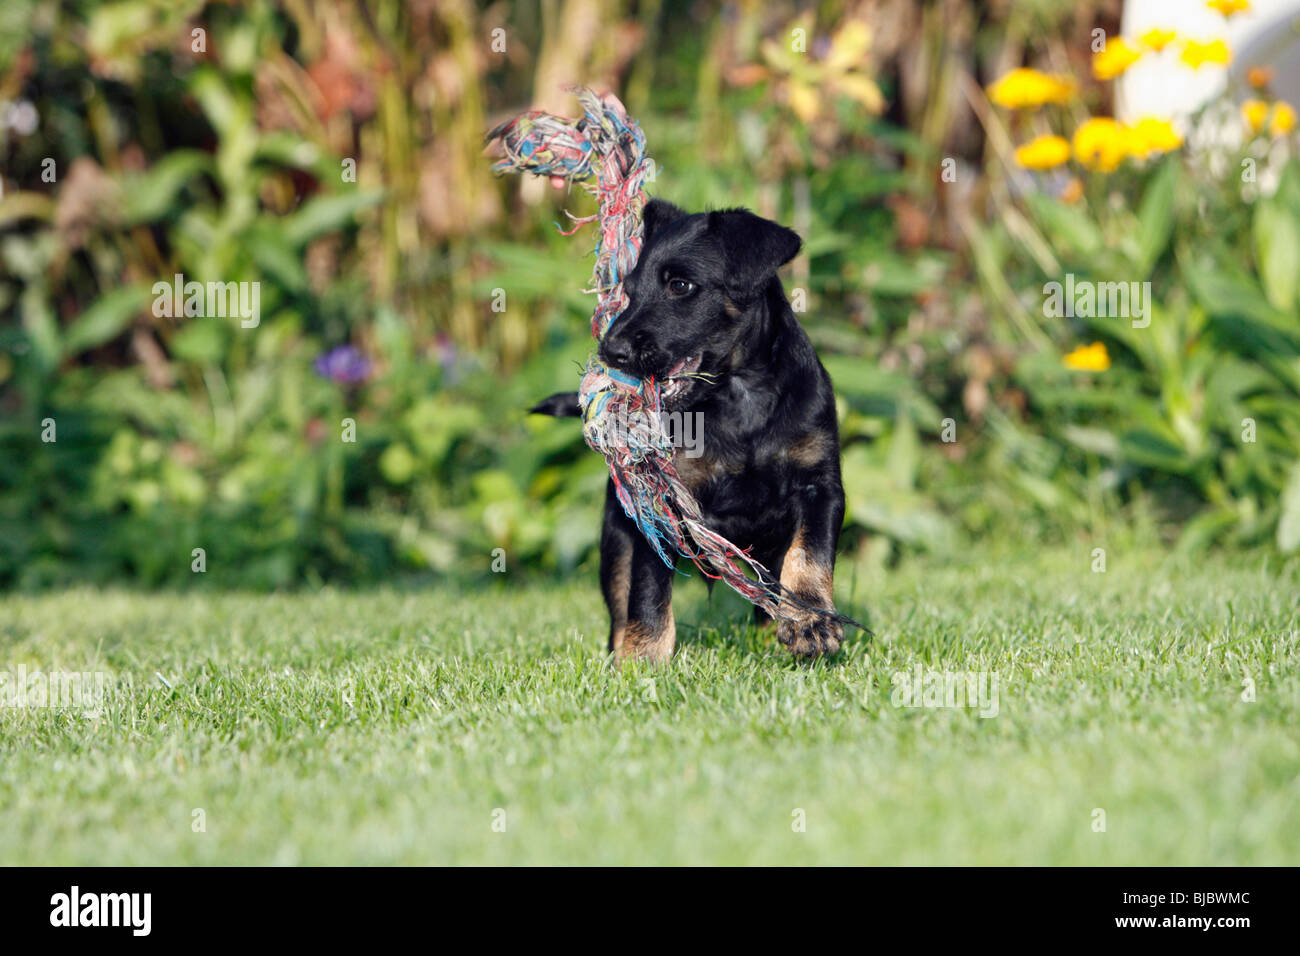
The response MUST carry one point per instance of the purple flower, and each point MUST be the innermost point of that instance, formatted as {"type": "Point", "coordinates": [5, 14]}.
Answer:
{"type": "Point", "coordinates": [448, 357]}
{"type": "Point", "coordinates": [344, 365]}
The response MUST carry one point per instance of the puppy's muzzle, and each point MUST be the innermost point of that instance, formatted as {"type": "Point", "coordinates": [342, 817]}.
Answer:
{"type": "Point", "coordinates": [631, 350]}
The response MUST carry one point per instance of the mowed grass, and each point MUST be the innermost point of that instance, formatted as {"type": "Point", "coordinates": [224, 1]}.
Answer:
{"type": "Point", "coordinates": [398, 727]}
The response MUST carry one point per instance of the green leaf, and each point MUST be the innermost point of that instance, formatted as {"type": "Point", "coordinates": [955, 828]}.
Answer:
{"type": "Point", "coordinates": [1277, 247]}
{"type": "Point", "coordinates": [228, 112]}
{"type": "Point", "coordinates": [1155, 448]}
{"type": "Point", "coordinates": [1066, 225]}
{"type": "Point", "coordinates": [106, 319]}
{"type": "Point", "coordinates": [276, 257]}
{"type": "Point", "coordinates": [397, 464]}
{"type": "Point", "coordinates": [1098, 441]}
{"type": "Point", "coordinates": [1156, 216]}
{"type": "Point", "coordinates": [149, 196]}
{"type": "Point", "coordinates": [1253, 324]}
{"type": "Point", "coordinates": [867, 388]}
{"type": "Point", "coordinates": [1288, 187]}
{"type": "Point", "coordinates": [1288, 525]}
{"type": "Point", "coordinates": [904, 453]}
{"type": "Point", "coordinates": [1205, 529]}
{"type": "Point", "coordinates": [890, 274]}
{"type": "Point", "coordinates": [40, 326]}
{"type": "Point", "coordinates": [203, 343]}
{"type": "Point", "coordinates": [327, 214]}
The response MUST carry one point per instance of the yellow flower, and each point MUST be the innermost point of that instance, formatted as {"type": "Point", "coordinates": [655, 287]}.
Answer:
{"type": "Point", "coordinates": [810, 85]}
{"type": "Point", "coordinates": [1255, 113]}
{"type": "Point", "coordinates": [1043, 152]}
{"type": "Point", "coordinates": [857, 86]}
{"type": "Point", "coordinates": [803, 100]}
{"type": "Point", "coordinates": [1283, 120]}
{"type": "Point", "coordinates": [1088, 358]}
{"type": "Point", "coordinates": [1228, 7]}
{"type": "Point", "coordinates": [1150, 136]}
{"type": "Point", "coordinates": [850, 45]}
{"type": "Point", "coordinates": [1196, 53]}
{"type": "Point", "coordinates": [1100, 144]}
{"type": "Point", "coordinates": [1114, 58]}
{"type": "Point", "coordinates": [1157, 39]}
{"type": "Point", "coordinates": [1026, 89]}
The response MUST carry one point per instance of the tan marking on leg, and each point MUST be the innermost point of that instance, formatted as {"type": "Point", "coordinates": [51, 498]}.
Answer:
{"type": "Point", "coordinates": [804, 575]}
{"type": "Point", "coordinates": [805, 633]}
{"type": "Point", "coordinates": [647, 642]}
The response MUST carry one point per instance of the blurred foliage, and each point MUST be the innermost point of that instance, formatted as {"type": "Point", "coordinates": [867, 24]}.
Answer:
{"type": "Point", "coordinates": [333, 153]}
{"type": "Point", "coordinates": [1195, 403]}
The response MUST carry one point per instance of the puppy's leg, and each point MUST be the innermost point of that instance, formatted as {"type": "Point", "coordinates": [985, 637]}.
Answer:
{"type": "Point", "coordinates": [617, 535]}
{"type": "Point", "coordinates": [638, 589]}
{"type": "Point", "coordinates": [808, 569]}
{"type": "Point", "coordinates": [651, 631]}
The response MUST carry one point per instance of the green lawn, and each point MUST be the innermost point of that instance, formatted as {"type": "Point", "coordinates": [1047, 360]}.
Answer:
{"type": "Point", "coordinates": [388, 727]}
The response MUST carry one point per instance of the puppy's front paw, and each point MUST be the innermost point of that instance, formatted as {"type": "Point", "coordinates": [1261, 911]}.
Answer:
{"type": "Point", "coordinates": [810, 635]}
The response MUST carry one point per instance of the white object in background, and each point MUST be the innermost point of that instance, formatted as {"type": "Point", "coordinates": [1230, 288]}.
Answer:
{"type": "Point", "coordinates": [1161, 85]}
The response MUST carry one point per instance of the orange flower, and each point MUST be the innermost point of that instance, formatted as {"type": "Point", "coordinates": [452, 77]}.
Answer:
{"type": "Point", "coordinates": [1259, 76]}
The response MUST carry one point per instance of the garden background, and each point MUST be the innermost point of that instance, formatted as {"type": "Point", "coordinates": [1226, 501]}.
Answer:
{"type": "Point", "coordinates": [333, 152]}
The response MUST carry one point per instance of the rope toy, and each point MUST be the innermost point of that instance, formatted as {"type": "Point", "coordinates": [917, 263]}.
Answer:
{"type": "Point", "coordinates": [620, 413]}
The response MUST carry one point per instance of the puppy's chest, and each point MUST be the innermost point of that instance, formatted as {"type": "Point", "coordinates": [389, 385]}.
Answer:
{"type": "Point", "coordinates": [740, 488]}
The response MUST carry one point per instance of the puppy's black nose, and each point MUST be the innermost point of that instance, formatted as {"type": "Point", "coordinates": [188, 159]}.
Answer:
{"type": "Point", "coordinates": [627, 349]}
{"type": "Point", "coordinates": [616, 352]}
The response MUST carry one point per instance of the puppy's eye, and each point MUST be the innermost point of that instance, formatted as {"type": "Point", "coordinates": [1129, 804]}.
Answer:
{"type": "Point", "coordinates": [680, 287]}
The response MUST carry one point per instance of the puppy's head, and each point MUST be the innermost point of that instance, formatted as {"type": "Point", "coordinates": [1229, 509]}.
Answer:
{"type": "Point", "coordinates": [692, 297]}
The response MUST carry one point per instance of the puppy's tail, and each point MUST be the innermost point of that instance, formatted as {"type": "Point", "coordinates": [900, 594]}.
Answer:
{"type": "Point", "coordinates": [559, 405]}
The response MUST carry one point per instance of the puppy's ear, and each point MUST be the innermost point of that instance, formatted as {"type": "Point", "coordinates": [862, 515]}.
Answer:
{"type": "Point", "coordinates": [657, 214]}
{"type": "Point", "coordinates": [754, 247]}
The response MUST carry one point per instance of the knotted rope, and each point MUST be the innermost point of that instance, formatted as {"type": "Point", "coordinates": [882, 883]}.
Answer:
{"type": "Point", "coordinates": [620, 413]}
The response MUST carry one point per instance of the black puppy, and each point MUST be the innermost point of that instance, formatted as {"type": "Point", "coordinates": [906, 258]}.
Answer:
{"type": "Point", "coordinates": [707, 317]}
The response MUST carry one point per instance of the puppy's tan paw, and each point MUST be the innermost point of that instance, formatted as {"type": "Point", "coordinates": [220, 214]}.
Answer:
{"type": "Point", "coordinates": [652, 642]}
{"type": "Point", "coordinates": [811, 635]}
